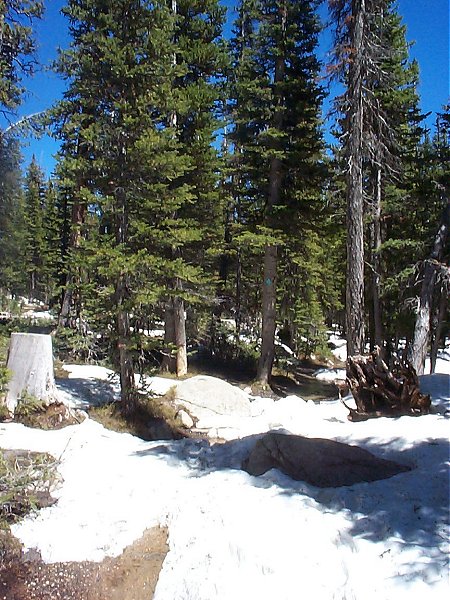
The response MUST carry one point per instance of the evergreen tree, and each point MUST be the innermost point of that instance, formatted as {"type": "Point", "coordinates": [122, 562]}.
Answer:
{"type": "Point", "coordinates": [16, 49]}
{"type": "Point", "coordinates": [199, 60]}
{"type": "Point", "coordinates": [276, 105]}
{"type": "Point", "coordinates": [389, 174]}
{"type": "Point", "coordinates": [35, 243]}
{"type": "Point", "coordinates": [52, 243]}
{"type": "Point", "coordinates": [140, 108]}
{"type": "Point", "coordinates": [11, 218]}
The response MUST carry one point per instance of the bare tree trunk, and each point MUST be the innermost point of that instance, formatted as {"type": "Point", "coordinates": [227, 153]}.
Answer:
{"type": "Point", "coordinates": [127, 384]}
{"type": "Point", "coordinates": [440, 318]}
{"type": "Point", "coordinates": [376, 264]}
{"type": "Point", "coordinates": [269, 315]}
{"type": "Point", "coordinates": [238, 315]}
{"type": "Point", "coordinates": [180, 336]}
{"type": "Point", "coordinates": [169, 360]}
{"type": "Point", "coordinates": [355, 203]}
{"type": "Point", "coordinates": [175, 334]}
{"type": "Point", "coordinates": [419, 347]}
{"type": "Point", "coordinates": [126, 371]}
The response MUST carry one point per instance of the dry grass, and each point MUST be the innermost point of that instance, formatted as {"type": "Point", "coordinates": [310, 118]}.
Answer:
{"type": "Point", "coordinates": [153, 418]}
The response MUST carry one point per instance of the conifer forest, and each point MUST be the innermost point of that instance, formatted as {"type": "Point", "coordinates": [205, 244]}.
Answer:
{"type": "Point", "coordinates": [196, 191]}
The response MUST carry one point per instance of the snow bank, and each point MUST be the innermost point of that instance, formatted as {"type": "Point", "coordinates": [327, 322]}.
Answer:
{"type": "Point", "coordinates": [234, 536]}
{"type": "Point", "coordinates": [330, 374]}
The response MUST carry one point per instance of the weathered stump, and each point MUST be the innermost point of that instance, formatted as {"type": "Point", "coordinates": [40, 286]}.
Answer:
{"type": "Point", "coordinates": [30, 360]}
{"type": "Point", "coordinates": [382, 392]}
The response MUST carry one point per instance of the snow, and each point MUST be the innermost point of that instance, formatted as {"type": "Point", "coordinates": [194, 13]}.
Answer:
{"type": "Point", "coordinates": [330, 374]}
{"type": "Point", "coordinates": [233, 536]}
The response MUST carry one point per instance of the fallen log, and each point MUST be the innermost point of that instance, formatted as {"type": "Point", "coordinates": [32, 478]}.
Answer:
{"type": "Point", "coordinates": [380, 391]}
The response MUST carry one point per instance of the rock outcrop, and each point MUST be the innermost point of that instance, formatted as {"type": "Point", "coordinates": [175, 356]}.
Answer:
{"type": "Point", "coordinates": [320, 462]}
{"type": "Point", "coordinates": [205, 397]}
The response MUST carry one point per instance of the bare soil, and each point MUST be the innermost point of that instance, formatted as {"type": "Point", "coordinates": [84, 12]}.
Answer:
{"type": "Point", "coordinates": [131, 576]}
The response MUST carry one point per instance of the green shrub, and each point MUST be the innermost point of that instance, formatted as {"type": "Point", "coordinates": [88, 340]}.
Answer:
{"type": "Point", "coordinates": [27, 406]}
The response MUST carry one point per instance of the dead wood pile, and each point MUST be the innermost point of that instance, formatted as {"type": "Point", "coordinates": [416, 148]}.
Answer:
{"type": "Point", "coordinates": [380, 391]}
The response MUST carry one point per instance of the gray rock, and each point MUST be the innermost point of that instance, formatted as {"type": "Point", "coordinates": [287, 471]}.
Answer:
{"type": "Point", "coordinates": [185, 419]}
{"type": "Point", "coordinates": [320, 462]}
{"type": "Point", "coordinates": [205, 397]}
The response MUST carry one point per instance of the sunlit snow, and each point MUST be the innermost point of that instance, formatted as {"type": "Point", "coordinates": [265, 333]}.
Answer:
{"type": "Point", "coordinates": [237, 537]}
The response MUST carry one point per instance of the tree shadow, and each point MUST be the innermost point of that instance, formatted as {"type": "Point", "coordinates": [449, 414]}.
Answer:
{"type": "Point", "coordinates": [411, 507]}
{"type": "Point", "coordinates": [87, 393]}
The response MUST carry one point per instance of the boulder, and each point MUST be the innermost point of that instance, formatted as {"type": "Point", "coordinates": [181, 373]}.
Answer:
{"type": "Point", "coordinates": [205, 397]}
{"type": "Point", "coordinates": [320, 462]}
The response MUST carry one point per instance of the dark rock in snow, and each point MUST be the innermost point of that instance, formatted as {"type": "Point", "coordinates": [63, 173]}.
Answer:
{"type": "Point", "coordinates": [320, 462]}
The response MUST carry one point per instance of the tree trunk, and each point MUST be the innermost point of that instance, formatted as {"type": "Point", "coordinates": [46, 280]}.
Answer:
{"type": "Point", "coordinates": [419, 347]}
{"type": "Point", "coordinates": [30, 360]}
{"type": "Point", "coordinates": [175, 335]}
{"type": "Point", "coordinates": [269, 315]}
{"type": "Point", "coordinates": [126, 371]}
{"type": "Point", "coordinates": [180, 336]}
{"type": "Point", "coordinates": [238, 314]}
{"type": "Point", "coordinates": [77, 220]}
{"type": "Point", "coordinates": [375, 235]}
{"type": "Point", "coordinates": [127, 384]}
{"type": "Point", "coordinates": [440, 318]}
{"type": "Point", "coordinates": [355, 203]}
{"type": "Point", "coordinates": [269, 296]}
{"type": "Point", "coordinates": [168, 364]}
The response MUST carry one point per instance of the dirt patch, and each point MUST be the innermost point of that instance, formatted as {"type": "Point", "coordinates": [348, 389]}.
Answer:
{"type": "Point", "coordinates": [131, 576]}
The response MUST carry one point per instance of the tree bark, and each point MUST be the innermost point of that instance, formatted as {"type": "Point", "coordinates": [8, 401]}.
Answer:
{"type": "Point", "coordinates": [375, 231]}
{"type": "Point", "coordinates": [440, 318]}
{"type": "Point", "coordinates": [126, 370]}
{"type": "Point", "coordinates": [175, 335]}
{"type": "Point", "coordinates": [419, 347]}
{"type": "Point", "coordinates": [355, 203]}
{"type": "Point", "coordinates": [168, 364]}
{"type": "Point", "coordinates": [269, 315]}
{"type": "Point", "coordinates": [180, 336]}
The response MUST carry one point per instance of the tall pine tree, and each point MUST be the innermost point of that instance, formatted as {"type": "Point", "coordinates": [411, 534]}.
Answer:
{"type": "Point", "coordinates": [277, 139]}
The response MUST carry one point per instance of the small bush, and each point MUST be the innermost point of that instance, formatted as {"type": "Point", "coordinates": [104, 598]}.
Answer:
{"type": "Point", "coordinates": [26, 482]}
{"type": "Point", "coordinates": [27, 407]}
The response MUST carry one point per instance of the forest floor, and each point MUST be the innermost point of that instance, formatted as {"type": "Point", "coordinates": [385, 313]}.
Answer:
{"type": "Point", "coordinates": [131, 576]}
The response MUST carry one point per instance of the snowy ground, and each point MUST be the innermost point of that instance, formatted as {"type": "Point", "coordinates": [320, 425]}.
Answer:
{"type": "Point", "coordinates": [237, 537]}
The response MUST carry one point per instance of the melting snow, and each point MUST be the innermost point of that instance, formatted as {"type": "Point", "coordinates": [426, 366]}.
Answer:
{"type": "Point", "coordinates": [233, 536]}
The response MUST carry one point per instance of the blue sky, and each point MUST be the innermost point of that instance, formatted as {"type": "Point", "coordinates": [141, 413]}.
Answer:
{"type": "Point", "coordinates": [427, 24]}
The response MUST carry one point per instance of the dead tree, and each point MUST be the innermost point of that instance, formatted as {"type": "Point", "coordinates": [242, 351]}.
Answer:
{"type": "Point", "coordinates": [383, 392]}
{"type": "Point", "coordinates": [432, 268]}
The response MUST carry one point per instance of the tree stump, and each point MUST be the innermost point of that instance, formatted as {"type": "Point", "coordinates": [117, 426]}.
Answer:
{"type": "Point", "coordinates": [30, 360]}
{"type": "Point", "coordinates": [382, 392]}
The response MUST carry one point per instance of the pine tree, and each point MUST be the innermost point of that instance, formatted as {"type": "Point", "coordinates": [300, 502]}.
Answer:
{"type": "Point", "coordinates": [277, 138]}
{"type": "Point", "coordinates": [199, 60]}
{"type": "Point", "coordinates": [17, 48]}
{"type": "Point", "coordinates": [11, 218]}
{"type": "Point", "coordinates": [35, 245]}
{"type": "Point", "coordinates": [116, 101]}
{"type": "Point", "coordinates": [52, 244]}
{"type": "Point", "coordinates": [143, 161]}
